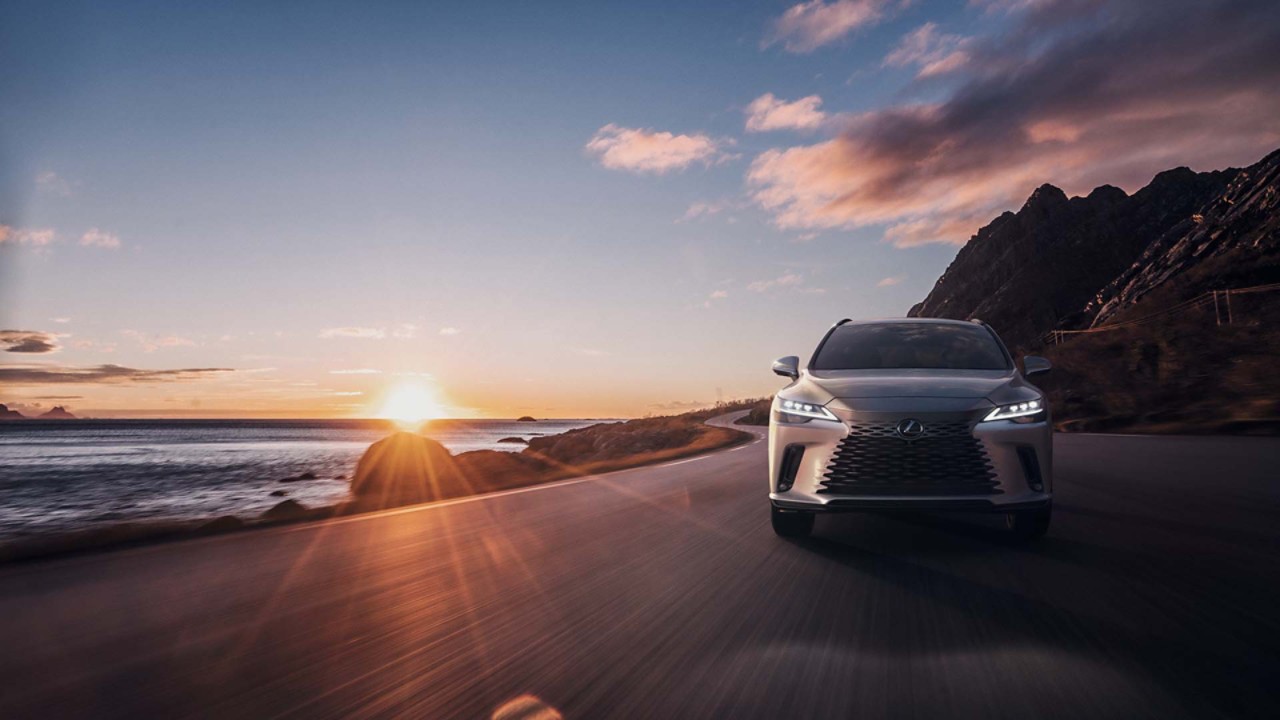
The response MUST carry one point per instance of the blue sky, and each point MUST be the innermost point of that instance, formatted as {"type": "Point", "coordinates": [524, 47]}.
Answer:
{"type": "Point", "coordinates": [285, 193]}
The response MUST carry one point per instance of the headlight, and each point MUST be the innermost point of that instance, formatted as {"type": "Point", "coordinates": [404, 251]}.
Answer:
{"type": "Point", "coordinates": [794, 411]}
{"type": "Point", "coordinates": [1029, 410]}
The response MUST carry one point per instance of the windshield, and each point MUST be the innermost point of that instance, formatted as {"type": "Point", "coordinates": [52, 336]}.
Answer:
{"type": "Point", "coordinates": [901, 346]}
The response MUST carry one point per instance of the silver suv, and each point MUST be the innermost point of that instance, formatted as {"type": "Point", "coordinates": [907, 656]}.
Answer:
{"type": "Point", "coordinates": [910, 414]}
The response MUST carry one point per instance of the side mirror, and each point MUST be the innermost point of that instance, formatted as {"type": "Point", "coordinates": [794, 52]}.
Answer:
{"type": "Point", "coordinates": [788, 366]}
{"type": "Point", "coordinates": [1034, 364]}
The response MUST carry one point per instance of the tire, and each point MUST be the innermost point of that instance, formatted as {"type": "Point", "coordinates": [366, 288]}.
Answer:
{"type": "Point", "coordinates": [791, 524]}
{"type": "Point", "coordinates": [1028, 525]}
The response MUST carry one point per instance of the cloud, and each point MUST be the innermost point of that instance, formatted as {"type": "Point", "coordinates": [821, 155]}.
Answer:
{"type": "Point", "coordinates": [702, 209]}
{"type": "Point", "coordinates": [151, 343]}
{"type": "Point", "coordinates": [54, 374]}
{"type": "Point", "coordinates": [719, 294]}
{"type": "Point", "coordinates": [356, 371]}
{"type": "Point", "coordinates": [786, 280]}
{"type": "Point", "coordinates": [449, 331]}
{"type": "Point", "coordinates": [28, 341]}
{"type": "Point", "coordinates": [61, 320]}
{"type": "Point", "coordinates": [97, 238]}
{"type": "Point", "coordinates": [890, 281]}
{"type": "Point", "coordinates": [49, 181]}
{"type": "Point", "coordinates": [648, 151]}
{"type": "Point", "coordinates": [932, 52]}
{"type": "Point", "coordinates": [367, 333]}
{"type": "Point", "coordinates": [591, 352]}
{"type": "Point", "coordinates": [1078, 94]}
{"type": "Point", "coordinates": [680, 405]}
{"type": "Point", "coordinates": [767, 113]}
{"type": "Point", "coordinates": [808, 26]}
{"type": "Point", "coordinates": [25, 236]}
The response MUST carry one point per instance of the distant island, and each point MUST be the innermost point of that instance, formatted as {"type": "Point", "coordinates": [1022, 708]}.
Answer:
{"type": "Point", "coordinates": [526, 418]}
{"type": "Point", "coordinates": [57, 413]}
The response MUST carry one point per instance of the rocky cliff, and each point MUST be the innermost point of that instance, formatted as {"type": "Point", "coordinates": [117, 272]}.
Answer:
{"type": "Point", "coordinates": [1058, 261]}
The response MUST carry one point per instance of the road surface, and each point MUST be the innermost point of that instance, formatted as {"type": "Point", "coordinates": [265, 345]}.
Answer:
{"type": "Point", "coordinates": [661, 592]}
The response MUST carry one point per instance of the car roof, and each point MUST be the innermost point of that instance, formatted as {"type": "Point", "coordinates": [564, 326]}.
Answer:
{"type": "Point", "coordinates": [910, 320]}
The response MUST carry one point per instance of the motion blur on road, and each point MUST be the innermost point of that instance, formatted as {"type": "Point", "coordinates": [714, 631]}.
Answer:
{"type": "Point", "coordinates": [662, 592]}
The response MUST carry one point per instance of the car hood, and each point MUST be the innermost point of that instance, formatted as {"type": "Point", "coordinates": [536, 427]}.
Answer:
{"type": "Point", "coordinates": [910, 383]}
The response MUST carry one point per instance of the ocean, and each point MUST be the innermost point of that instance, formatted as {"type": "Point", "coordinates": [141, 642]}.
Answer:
{"type": "Point", "coordinates": [57, 476]}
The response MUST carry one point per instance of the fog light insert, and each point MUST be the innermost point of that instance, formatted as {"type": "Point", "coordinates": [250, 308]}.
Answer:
{"type": "Point", "coordinates": [1031, 467]}
{"type": "Point", "coordinates": [790, 466]}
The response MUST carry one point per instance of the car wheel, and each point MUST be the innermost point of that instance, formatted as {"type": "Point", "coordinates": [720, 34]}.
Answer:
{"type": "Point", "coordinates": [1028, 524]}
{"type": "Point", "coordinates": [791, 523]}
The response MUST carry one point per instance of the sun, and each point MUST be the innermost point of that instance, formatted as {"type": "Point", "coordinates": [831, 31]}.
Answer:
{"type": "Point", "coordinates": [412, 403]}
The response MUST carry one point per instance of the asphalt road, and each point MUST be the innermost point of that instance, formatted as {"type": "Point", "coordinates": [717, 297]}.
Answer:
{"type": "Point", "coordinates": [661, 592]}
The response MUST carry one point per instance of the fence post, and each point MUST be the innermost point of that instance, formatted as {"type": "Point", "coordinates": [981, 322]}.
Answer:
{"type": "Point", "coordinates": [1217, 316]}
{"type": "Point", "coordinates": [1230, 320]}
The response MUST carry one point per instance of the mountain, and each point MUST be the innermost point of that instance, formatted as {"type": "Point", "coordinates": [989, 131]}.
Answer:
{"type": "Point", "coordinates": [57, 413]}
{"type": "Point", "coordinates": [1038, 269]}
{"type": "Point", "coordinates": [7, 414]}
{"type": "Point", "coordinates": [1196, 362]}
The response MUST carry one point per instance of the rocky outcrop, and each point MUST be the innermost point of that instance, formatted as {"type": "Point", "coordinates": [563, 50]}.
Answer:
{"type": "Point", "coordinates": [7, 414]}
{"type": "Point", "coordinates": [57, 413]}
{"type": "Point", "coordinates": [1038, 269]}
{"type": "Point", "coordinates": [1232, 241]}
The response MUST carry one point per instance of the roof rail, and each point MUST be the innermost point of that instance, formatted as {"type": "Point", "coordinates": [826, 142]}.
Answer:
{"type": "Point", "coordinates": [842, 321]}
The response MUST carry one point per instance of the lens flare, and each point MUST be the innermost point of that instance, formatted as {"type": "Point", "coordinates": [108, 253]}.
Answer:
{"type": "Point", "coordinates": [412, 403]}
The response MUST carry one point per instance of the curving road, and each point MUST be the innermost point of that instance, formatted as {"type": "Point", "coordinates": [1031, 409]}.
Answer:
{"type": "Point", "coordinates": [661, 592]}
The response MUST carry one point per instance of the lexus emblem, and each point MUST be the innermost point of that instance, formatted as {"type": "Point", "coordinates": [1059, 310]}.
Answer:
{"type": "Point", "coordinates": [910, 429]}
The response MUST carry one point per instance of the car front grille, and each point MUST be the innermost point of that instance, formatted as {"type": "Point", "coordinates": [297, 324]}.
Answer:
{"type": "Point", "coordinates": [944, 460]}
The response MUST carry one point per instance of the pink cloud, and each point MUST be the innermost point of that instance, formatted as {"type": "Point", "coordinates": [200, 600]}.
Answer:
{"type": "Point", "coordinates": [650, 151]}
{"type": "Point", "coordinates": [97, 238]}
{"type": "Point", "coordinates": [810, 25]}
{"type": "Point", "coordinates": [767, 113]}
{"type": "Point", "coordinates": [1133, 89]}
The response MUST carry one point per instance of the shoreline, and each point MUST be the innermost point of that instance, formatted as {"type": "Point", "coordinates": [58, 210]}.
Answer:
{"type": "Point", "coordinates": [128, 534]}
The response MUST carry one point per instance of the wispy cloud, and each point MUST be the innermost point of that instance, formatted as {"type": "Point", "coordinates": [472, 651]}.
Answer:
{"type": "Point", "coordinates": [591, 352]}
{"type": "Point", "coordinates": [97, 238]}
{"type": "Point", "coordinates": [767, 113]}
{"type": "Point", "coordinates": [28, 341]}
{"type": "Point", "coordinates": [785, 280]}
{"type": "Point", "coordinates": [1128, 92]}
{"type": "Point", "coordinates": [810, 25]}
{"type": "Point", "coordinates": [649, 151]}
{"type": "Point", "coordinates": [449, 331]}
{"type": "Point", "coordinates": [151, 343]}
{"type": "Point", "coordinates": [890, 281]}
{"type": "Point", "coordinates": [55, 374]}
{"type": "Point", "coordinates": [934, 53]}
{"type": "Point", "coordinates": [356, 371]}
{"type": "Point", "coordinates": [366, 333]}
{"type": "Point", "coordinates": [10, 235]}
{"type": "Point", "coordinates": [50, 182]}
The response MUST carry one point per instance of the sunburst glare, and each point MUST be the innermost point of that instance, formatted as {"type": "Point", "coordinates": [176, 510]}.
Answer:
{"type": "Point", "coordinates": [412, 403]}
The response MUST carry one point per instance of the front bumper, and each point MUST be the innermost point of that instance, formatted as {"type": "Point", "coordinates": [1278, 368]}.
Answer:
{"type": "Point", "coordinates": [1012, 476]}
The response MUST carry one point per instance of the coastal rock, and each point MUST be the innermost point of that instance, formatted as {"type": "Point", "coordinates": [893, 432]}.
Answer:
{"type": "Point", "coordinates": [403, 469]}
{"type": "Point", "coordinates": [226, 523]}
{"type": "Point", "coordinates": [300, 478]}
{"type": "Point", "coordinates": [285, 510]}
{"type": "Point", "coordinates": [278, 493]}
{"type": "Point", "coordinates": [611, 441]}
{"type": "Point", "coordinates": [514, 440]}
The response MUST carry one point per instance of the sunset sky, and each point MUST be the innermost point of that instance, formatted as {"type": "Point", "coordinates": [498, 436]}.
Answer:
{"type": "Point", "coordinates": [561, 209]}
